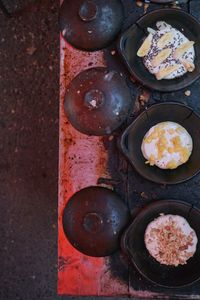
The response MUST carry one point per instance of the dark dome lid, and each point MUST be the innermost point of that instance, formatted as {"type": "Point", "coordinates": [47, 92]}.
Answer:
{"type": "Point", "coordinates": [93, 220]}
{"type": "Point", "coordinates": [97, 101]}
{"type": "Point", "coordinates": [91, 24]}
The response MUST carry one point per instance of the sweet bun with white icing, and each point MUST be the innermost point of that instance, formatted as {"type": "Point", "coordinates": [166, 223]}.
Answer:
{"type": "Point", "coordinates": [170, 240]}
{"type": "Point", "coordinates": [167, 145]}
{"type": "Point", "coordinates": [166, 52]}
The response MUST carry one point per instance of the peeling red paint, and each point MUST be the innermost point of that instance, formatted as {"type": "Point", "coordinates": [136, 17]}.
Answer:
{"type": "Point", "coordinates": [83, 160]}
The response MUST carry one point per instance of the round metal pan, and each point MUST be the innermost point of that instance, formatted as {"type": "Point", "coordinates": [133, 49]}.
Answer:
{"type": "Point", "coordinates": [133, 245]}
{"type": "Point", "coordinates": [130, 42]}
{"type": "Point", "coordinates": [132, 137]}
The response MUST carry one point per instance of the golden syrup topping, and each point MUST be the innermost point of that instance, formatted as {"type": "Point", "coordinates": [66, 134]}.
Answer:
{"type": "Point", "coordinates": [156, 133]}
{"type": "Point", "coordinates": [164, 145]}
{"type": "Point", "coordinates": [170, 150]}
{"type": "Point", "coordinates": [180, 129]}
{"type": "Point", "coordinates": [152, 160]}
{"type": "Point", "coordinates": [171, 131]}
{"type": "Point", "coordinates": [161, 146]}
{"type": "Point", "coordinates": [172, 164]}
{"type": "Point", "coordinates": [185, 154]}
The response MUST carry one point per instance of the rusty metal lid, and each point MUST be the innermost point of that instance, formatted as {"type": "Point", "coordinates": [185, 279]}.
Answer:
{"type": "Point", "coordinates": [93, 220]}
{"type": "Point", "coordinates": [91, 24]}
{"type": "Point", "coordinates": [97, 101]}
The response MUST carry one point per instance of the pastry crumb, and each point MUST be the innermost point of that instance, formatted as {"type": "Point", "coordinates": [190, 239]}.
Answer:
{"type": "Point", "coordinates": [139, 3]}
{"type": "Point", "coordinates": [187, 93]}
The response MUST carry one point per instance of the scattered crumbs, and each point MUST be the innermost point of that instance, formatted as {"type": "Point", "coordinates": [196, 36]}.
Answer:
{"type": "Point", "coordinates": [187, 93]}
{"type": "Point", "coordinates": [31, 50]}
{"type": "Point", "coordinates": [139, 3]}
{"type": "Point", "coordinates": [144, 195]}
{"type": "Point", "coordinates": [110, 137]}
{"type": "Point", "coordinates": [144, 97]}
{"type": "Point", "coordinates": [146, 6]}
{"type": "Point", "coordinates": [64, 32]}
{"type": "Point", "coordinates": [175, 4]}
{"type": "Point", "coordinates": [35, 63]}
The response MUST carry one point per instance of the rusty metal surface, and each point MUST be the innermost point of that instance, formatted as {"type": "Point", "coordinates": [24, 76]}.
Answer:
{"type": "Point", "coordinates": [86, 161]}
{"type": "Point", "coordinates": [83, 160]}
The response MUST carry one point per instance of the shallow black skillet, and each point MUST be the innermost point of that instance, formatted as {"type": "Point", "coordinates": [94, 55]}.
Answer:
{"type": "Point", "coordinates": [131, 40]}
{"type": "Point", "coordinates": [133, 245]}
{"type": "Point", "coordinates": [132, 137]}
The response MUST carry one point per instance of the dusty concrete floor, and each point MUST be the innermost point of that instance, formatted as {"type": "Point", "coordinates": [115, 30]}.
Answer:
{"type": "Point", "coordinates": [29, 72]}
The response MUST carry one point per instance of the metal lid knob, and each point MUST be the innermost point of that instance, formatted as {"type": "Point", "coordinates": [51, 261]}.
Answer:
{"type": "Point", "coordinates": [88, 11]}
{"type": "Point", "coordinates": [94, 99]}
{"type": "Point", "coordinates": [92, 222]}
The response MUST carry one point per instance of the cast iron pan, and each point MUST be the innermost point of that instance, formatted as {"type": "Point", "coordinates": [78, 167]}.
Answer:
{"type": "Point", "coordinates": [98, 101]}
{"type": "Point", "coordinates": [134, 246]}
{"type": "Point", "coordinates": [91, 24]}
{"type": "Point", "coordinates": [132, 137]}
{"type": "Point", "coordinates": [131, 40]}
{"type": "Point", "coordinates": [94, 219]}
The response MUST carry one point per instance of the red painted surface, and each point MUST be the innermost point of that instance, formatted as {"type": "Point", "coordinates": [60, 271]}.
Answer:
{"type": "Point", "coordinates": [83, 160]}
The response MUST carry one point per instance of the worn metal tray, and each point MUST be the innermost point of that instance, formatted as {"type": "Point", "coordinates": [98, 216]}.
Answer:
{"type": "Point", "coordinates": [86, 161]}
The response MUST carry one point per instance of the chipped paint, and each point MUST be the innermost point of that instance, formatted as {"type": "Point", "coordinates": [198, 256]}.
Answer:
{"type": "Point", "coordinates": [82, 160]}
